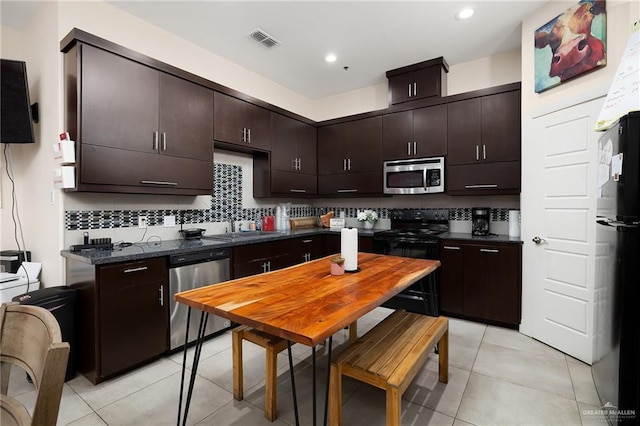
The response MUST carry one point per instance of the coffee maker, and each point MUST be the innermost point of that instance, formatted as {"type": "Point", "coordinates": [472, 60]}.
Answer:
{"type": "Point", "coordinates": [480, 220]}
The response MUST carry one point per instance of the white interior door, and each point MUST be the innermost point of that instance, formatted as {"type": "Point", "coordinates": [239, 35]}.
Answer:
{"type": "Point", "coordinates": [558, 206]}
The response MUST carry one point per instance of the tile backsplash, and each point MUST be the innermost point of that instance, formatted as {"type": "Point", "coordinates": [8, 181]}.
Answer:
{"type": "Point", "coordinates": [226, 205]}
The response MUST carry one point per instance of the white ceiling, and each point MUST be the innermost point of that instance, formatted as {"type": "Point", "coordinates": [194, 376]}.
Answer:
{"type": "Point", "coordinates": [369, 37]}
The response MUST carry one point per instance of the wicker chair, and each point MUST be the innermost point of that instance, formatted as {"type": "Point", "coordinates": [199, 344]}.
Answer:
{"type": "Point", "coordinates": [30, 338]}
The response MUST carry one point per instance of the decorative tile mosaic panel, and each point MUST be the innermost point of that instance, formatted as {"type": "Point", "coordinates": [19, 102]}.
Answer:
{"type": "Point", "coordinates": [226, 206]}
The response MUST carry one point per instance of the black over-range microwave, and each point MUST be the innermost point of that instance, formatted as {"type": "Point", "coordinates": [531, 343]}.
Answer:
{"type": "Point", "coordinates": [415, 176]}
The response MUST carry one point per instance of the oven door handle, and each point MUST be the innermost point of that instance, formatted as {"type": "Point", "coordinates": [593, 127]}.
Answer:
{"type": "Point", "coordinates": [424, 179]}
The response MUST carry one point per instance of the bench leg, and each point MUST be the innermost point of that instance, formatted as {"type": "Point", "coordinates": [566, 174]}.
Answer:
{"type": "Point", "coordinates": [335, 396]}
{"type": "Point", "coordinates": [443, 357]}
{"type": "Point", "coordinates": [236, 344]}
{"type": "Point", "coordinates": [353, 332]}
{"type": "Point", "coordinates": [271, 368]}
{"type": "Point", "coordinates": [394, 405]}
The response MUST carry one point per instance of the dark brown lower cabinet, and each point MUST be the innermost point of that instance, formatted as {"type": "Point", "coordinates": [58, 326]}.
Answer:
{"type": "Point", "coordinates": [481, 280]}
{"type": "Point", "coordinates": [265, 257]}
{"type": "Point", "coordinates": [123, 314]}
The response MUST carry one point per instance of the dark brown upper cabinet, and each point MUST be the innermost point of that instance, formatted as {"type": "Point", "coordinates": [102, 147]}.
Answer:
{"type": "Point", "coordinates": [138, 129]}
{"type": "Point", "coordinates": [418, 81]}
{"type": "Point", "coordinates": [485, 129]}
{"type": "Point", "coordinates": [350, 157]}
{"type": "Point", "coordinates": [291, 167]}
{"type": "Point", "coordinates": [241, 123]}
{"type": "Point", "coordinates": [415, 133]}
{"type": "Point", "coordinates": [484, 145]}
{"type": "Point", "coordinates": [293, 145]}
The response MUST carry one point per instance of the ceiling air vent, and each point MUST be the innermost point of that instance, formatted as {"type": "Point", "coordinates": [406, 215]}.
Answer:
{"type": "Point", "coordinates": [264, 38]}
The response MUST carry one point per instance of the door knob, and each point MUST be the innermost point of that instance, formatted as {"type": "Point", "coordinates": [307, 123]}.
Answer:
{"type": "Point", "coordinates": [538, 240]}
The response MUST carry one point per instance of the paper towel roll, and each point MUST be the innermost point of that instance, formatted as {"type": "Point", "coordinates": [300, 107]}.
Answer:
{"type": "Point", "coordinates": [514, 223]}
{"type": "Point", "coordinates": [349, 248]}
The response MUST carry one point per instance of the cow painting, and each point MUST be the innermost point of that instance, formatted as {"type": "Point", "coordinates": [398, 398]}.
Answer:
{"type": "Point", "coordinates": [570, 44]}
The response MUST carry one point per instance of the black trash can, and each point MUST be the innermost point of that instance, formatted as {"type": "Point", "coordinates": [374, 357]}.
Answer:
{"type": "Point", "coordinates": [61, 302]}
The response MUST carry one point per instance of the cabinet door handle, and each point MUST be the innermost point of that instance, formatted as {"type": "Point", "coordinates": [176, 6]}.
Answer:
{"type": "Point", "coordinates": [349, 164]}
{"type": "Point", "coordinates": [489, 250]}
{"type": "Point", "coordinates": [164, 141]}
{"type": "Point", "coordinates": [408, 148]}
{"type": "Point", "coordinates": [244, 134]}
{"type": "Point", "coordinates": [344, 164]}
{"type": "Point", "coordinates": [347, 190]}
{"type": "Point", "coordinates": [294, 163]}
{"type": "Point", "coordinates": [451, 247]}
{"type": "Point", "coordinates": [484, 152]}
{"type": "Point", "coordinates": [132, 270]}
{"type": "Point", "coordinates": [480, 186]}
{"type": "Point", "coordinates": [299, 163]}
{"type": "Point", "coordinates": [248, 135]}
{"type": "Point", "coordinates": [161, 295]}
{"type": "Point", "coordinates": [269, 266]}
{"type": "Point", "coordinates": [477, 152]}
{"type": "Point", "coordinates": [158, 182]}
{"type": "Point", "coordinates": [415, 89]}
{"type": "Point", "coordinates": [415, 148]}
{"type": "Point", "coordinates": [409, 89]}
{"type": "Point", "coordinates": [298, 190]}
{"type": "Point", "coordinates": [155, 141]}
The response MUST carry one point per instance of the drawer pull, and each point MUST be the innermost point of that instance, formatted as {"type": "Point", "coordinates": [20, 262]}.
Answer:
{"type": "Point", "coordinates": [307, 241]}
{"type": "Point", "coordinates": [451, 248]}
{"type": "Point", "coordinates": [158, 182]}
{"type": "Point", "coordinates": [347, 190]}
{"type": "Point", "coordinates": [298, 190]}
{"type": "Point", "coordinates": [489, 251]}
{"type": "Point", "coordinates": [480, 186]}
{"type": "Point", "coordinates": [140, 269]}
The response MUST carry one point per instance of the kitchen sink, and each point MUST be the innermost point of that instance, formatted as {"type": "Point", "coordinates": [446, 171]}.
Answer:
{"type": "Point", "coordinates": [234, 236]}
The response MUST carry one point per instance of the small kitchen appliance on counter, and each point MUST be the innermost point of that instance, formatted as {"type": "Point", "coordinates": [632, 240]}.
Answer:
{"type": "Point", "coordinates": [480, 220]}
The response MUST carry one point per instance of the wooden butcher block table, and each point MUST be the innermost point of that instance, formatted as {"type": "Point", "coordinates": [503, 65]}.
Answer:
{"type": "Point", "coordinates": [304, 303]}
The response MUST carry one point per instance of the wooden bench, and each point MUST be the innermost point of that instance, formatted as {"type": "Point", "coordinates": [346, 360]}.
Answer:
{"type": "Point", "coordinates": [273, 345]}
{"type": "Point", "coordinates": [389, 356]}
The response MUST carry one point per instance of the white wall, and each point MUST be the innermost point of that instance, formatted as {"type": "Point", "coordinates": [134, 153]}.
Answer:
{"type": "Point", "coordinates": [620, 17]}
{"type": "Point", "coordinates": [40, 214]}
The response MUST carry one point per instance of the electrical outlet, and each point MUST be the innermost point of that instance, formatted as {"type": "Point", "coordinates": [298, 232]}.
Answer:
{"type": "Point", "coordinates": [142, 222]}
{"type": "Point", "coordinates": [169, 221]}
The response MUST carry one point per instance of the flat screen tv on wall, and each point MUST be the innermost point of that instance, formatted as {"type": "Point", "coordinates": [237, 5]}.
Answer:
{"type": "Point", "coordinates": [16, 125]}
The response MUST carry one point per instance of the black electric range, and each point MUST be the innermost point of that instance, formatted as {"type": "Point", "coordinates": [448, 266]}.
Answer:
{"type": "Point", "coordinates": [414, 233]}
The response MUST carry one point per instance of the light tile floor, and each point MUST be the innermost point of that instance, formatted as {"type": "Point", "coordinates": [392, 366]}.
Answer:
{"type": "Point", "coordinates": [496, 376]}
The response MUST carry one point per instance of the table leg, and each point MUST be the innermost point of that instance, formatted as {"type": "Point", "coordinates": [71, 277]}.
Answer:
{"type": "Point", "coordinates": [196, 360]}
{"type": "Point", "coordinates": [293, 384]}
{"type": "Point", "coordinates": [184, 365]}
{"type": "Point", "coordinates": [326, 395]}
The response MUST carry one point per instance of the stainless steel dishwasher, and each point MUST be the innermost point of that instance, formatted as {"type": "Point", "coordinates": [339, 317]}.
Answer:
{"type": "Point", "coordinates": [189, 271]}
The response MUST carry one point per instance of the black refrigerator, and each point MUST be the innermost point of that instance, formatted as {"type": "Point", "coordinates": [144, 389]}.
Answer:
{"type": "Point", "coordinates": [616, 372]}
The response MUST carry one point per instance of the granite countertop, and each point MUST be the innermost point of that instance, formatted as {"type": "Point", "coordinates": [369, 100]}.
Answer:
{"type": "Point", "coordinates": [157, 248]}
{"type": "Point", "coordinates": [491, 238]}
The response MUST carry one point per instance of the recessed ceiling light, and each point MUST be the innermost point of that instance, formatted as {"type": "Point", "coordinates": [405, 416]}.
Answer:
{"type": "Point", "coordinates": [465, 14]}
{"type": "Point", "coordinates": [330, 57]}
